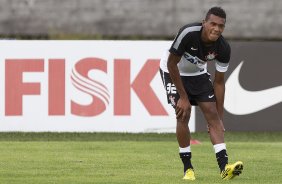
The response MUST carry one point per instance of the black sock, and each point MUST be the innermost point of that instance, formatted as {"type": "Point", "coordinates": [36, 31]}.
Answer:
{"type": "Point", "coordinates": [186, 160]}
{"type": "Point", "coordinates": [222, 159]}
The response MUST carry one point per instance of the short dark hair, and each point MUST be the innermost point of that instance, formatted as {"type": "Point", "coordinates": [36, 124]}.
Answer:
{"type": "Point", "coordinates": [217, 11]}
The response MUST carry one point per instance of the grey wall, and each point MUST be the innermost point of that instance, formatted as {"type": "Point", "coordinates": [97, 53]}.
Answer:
{"type": "Point", "coordinates": [246, 18]}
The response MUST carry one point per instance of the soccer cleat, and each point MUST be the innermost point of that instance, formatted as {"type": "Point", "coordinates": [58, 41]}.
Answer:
{"type": "Point", "coordinates": [232, 170]}
{"type": "Point", "coordinates": [189, 175]}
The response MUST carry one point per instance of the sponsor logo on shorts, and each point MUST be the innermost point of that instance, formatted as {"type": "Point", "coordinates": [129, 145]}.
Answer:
{"type": "Point", "coordinates": [172, 100]}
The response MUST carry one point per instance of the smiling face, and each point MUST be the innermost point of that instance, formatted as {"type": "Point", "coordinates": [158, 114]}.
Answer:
{"type": "Point", "coordinates": [213, 27]}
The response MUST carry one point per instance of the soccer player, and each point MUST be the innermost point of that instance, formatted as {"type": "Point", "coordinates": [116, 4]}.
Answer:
{"type": "Point", "coordinates": [187, 82]}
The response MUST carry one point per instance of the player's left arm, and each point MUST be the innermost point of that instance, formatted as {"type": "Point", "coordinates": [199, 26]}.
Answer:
{"type": "Point", "coordinates": [219, 91]}
{"type": "Point", "coordinates": [221, 66]}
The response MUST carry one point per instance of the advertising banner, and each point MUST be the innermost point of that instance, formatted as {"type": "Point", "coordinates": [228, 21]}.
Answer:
{"type": "Point", "coordinates": [84, 86]}
{"type": "Point", "coordinates": [115, 86]}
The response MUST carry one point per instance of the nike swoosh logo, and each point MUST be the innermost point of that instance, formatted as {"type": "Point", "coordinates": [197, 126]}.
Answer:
{"type": "Point", "coordinates": [210, 96]}
{"type": "Point", "coordinates": [192, 48]}
{"type": "Point", "coordinates": [239, 101]}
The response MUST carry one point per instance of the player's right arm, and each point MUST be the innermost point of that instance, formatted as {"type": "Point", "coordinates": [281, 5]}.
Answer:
{"type": "Point", "coordinates": [183, 105]}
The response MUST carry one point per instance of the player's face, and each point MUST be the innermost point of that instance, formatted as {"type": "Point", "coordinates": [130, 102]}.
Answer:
{"type": "Point", "coordinates": [212, 28]}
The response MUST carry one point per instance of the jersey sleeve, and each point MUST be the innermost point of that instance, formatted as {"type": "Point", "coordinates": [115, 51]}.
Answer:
{"type": "Point", "coordinates": [222, 62]}
{"type": "Point", "coordinates": [179, 44]}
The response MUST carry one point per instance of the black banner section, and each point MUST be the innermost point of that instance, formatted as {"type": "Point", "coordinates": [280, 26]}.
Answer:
{"type": "Point", "coordinates": [256, 93]}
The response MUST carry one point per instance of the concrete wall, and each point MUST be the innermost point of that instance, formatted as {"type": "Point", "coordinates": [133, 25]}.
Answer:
{"type": "Point", "coordinates": [246, 18]}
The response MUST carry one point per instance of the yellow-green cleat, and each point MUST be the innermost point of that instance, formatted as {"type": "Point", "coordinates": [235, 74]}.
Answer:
{"type": "Point", "coordinates": [189, 175]}
{"type": "Point", "coordinates": [232, 170]}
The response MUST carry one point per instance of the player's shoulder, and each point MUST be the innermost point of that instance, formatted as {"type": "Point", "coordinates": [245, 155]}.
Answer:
{"type": "Point", "coordinates": [223, 44]}
{"type": "Point", "coordinates": [224, 49]}
{"type": "Point", "coordinates": [196, 26]}
{"type": "Point", "coordinates": [191, 28]}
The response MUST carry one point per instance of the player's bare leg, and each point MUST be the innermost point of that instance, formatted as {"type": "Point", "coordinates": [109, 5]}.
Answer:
{"type": "Point", "coordinates": [183, 132]}
{"type": "Point", "coordinates": [215, 124]}
{"type": "Point", "coordinates": [216, 130]}
{"type": "Point", "coordinates": [183, 138]}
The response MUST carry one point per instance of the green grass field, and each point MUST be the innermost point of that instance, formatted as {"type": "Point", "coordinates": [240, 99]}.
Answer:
{"type": "Point", "coordinates": [132, 158]}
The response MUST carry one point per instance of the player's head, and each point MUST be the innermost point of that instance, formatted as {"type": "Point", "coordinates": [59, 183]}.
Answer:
{"type": "Point", "coordinates": [214, 24]}
{"type": "Point", "coordinates": [217, 11]}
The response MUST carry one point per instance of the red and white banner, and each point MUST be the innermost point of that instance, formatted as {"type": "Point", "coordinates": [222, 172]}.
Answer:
{"type": "Point", "coordinates": [84, 86]}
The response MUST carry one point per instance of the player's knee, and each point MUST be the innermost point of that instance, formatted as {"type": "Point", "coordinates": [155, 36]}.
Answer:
{"type": "Point", "coordinates": [212, 110]}
{"type": "Point", "coordinates": [184, 119]}
{"type": "Point", "coordinates": [211, 114]}
{"type": "Point", "coordinates": [188, 112]}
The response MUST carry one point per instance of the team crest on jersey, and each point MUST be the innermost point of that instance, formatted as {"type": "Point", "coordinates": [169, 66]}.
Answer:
{"type": "Point", "coordinates": [211, 56]}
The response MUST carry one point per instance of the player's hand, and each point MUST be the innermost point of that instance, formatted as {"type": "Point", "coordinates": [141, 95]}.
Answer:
{"type": "Point", "coordinates": [183, 109]}
{"type": "Point", "coordinates": [222, 125]}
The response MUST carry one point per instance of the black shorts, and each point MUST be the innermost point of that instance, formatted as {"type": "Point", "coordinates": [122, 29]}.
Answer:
{"type": "Point", "coordinates": [198, 88]}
